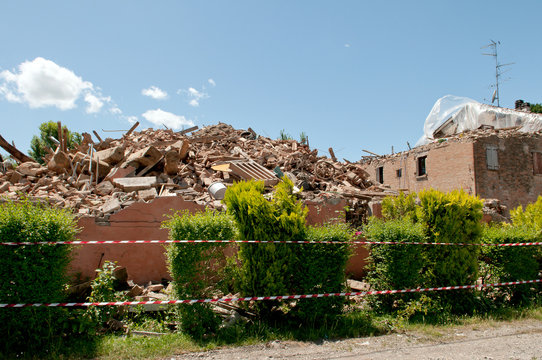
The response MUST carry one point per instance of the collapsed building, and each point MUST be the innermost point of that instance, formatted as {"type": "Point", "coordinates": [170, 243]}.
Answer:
{"type": "Point", "coordinates": [120, 189]}
{"type": "Point", "coordinates": [491, 152]}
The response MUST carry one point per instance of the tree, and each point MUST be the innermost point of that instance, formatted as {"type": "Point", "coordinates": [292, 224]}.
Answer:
{"type": "Point", "coordinates": [536, 108]}
{"type": "Point", "coordinates": [39, 145]}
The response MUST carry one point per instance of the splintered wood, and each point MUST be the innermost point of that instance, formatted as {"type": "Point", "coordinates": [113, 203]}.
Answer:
{"type": "Point", "coordinates": [97, 179]}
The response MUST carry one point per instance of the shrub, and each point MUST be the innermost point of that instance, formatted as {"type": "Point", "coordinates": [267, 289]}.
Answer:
{"type": "Point", "coordinates": [532, 218]}
{"type": "Point", "coordinates": [321, 268]}
{"type": "Point", "coordinates": [266, 269]}
{"type": "Point", "coordinates": [33, 274]}
{"type": "Point", "coordinates": [503, 264]}
{"type": "Point", "coordinates": [193, 266]}
{"type": "Point", "coordinates": [453, 217]}
{"type": "Point", "coordinates": [103, 290]}
{"type": "Point", "coordinates": [394, 266]}
{"type": "Point", "coordinates": [398, 207]}
{"type": "Point", "coordinates": [444, 218]}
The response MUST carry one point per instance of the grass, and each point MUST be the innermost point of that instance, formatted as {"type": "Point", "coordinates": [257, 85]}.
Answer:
{"type": "Point", "coordinates": [354, 323]}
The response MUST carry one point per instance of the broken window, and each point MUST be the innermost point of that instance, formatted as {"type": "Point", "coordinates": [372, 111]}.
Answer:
{"type": "Point", "coordinates": [380, 174]}
{"type": "Point", "coordinates": [399, 172]}
{"type": "Point", "coordinates": [492, 157]}
{"type": "Point", "coordinates": [421, 166]}
{"type": "Point", "coordinates": [537, 163]}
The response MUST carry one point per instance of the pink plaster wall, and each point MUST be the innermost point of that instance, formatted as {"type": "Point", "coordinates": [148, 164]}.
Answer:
{"type": "Point", "coordinates": [141, 221]}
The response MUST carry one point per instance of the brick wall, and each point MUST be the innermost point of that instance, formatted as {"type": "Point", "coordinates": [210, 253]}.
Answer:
{"type": "Point", "coordinates": [449, 166]}
{"type": "Point", "coordinates": [514, 182]}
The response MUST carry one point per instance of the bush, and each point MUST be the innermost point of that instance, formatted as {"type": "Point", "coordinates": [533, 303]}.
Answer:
{"type": "Point", "coordinates": [394, 266]}
{"type": "Point", "coordinates": [532, 218]}
{"type": "Point", "coordinates": [266, 269]}
{"type": "Point", "coordinates": [103, 291]}
{"type": "Point", "coordinates": [503, 264]}
{"type": "Point", "coordinates": [453, 217]}
{"type": "Point", "coordinates": [193, 266]}
{"type": "Point", "coordinates": [321, 268]}
{"type": "Point", "coordinates": [33, 274]}
{"type": "Point", "coordinates": [445, 218]}
{"type": "Point", "coordinates": [399, 207]}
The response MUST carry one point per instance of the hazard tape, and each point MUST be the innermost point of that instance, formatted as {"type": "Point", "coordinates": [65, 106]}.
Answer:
{"type": "Point", "coordinates": [264, 298]}
{"type": "Point", "coordinates": [100, 242]}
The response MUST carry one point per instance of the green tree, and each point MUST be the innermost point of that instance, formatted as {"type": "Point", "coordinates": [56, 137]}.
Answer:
{"type": "Point", "coordinates": [536, 108]}
{"type": "Point", "coordinates": [39, 145]}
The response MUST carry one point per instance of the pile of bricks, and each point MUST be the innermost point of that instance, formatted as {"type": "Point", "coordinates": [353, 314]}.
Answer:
{"type": "Point", "coordinates": [101, 177]}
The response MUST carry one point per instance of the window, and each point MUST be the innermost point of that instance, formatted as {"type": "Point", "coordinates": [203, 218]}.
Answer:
{"type": "Point", "coordinates": [492, 158]}
{"type": "Point", "coordinates": [399, 172]}
{"type": "Point", "coordinates": [421, 166]}
{"type": "Point", "coordinates": [380, 174]}
{"type": "Point", "coordinates": [537, 163]}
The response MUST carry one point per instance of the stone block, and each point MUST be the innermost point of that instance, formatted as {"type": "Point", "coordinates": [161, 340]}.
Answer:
{"type": "Point", "coordinates": [59, 163]}
{"type": "Point", "coordinates": [111, 156]}
{"type": "Point", "coordinates": [104, 188]}
{"type": "Point", "coordinates": [30, 168]}
{"type": "Point", "coordinates": [147, 194]}
{"type": "Point", "coordinates": [144, 157]}
{"type": "Point", "coordinates": [110, 206]}
{"type": "Point", "coordinates": [172, 159]}
{"type": "Point", "coordinates": [120, 172]}
{"type": "Point", "coordinates": [136, 183]}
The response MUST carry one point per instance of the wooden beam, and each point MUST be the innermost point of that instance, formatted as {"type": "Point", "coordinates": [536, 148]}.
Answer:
{"type": "Point", "coordinates": [65, 138]}
{"type": "Point", "coordinates": [370, 152]}
{"type": "Point", "coordinates": [13, 151]}
{"type": "Point", "coordinates": [59, 133]}
{"type": "Point", "coordinates": [97, 136]}
{"type": "Point", "coordinates": [132, 129]}
{"type": "Point", "coordinates": [188, 130]}
{"type": "Point", "coordinates": [332, 153]}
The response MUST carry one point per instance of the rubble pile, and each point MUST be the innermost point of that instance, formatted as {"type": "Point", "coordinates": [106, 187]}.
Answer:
{"type": "Point", "coordinates": [100, 178]}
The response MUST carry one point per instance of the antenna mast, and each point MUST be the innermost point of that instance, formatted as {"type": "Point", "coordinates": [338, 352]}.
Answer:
{"type": "Point", "coordinates": [493, 45]}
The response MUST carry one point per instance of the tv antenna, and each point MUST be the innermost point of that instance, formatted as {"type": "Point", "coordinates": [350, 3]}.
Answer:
{"type": "Point", "coordinates": [498, 69]}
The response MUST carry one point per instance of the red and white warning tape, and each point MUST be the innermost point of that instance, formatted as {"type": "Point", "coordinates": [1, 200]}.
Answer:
{"type": "Point", "coordinates": [99, 242]}
{"type": "Point", "coordinates": [263, 298]}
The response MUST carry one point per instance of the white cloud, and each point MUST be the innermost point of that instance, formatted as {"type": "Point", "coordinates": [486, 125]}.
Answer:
{"type": "Point", "coordinates": [42, 83]}
{"type": "Point", "coordinates": [115, 110]}
{"type": "Point", "coordinates": [155, 93]}
{"type": "Point", "coordinates": [194, 96]}
{"type": "Point", "coordinates": [160, 117]}
{"type": "Point", "coordinates": [212, 82]}
{"type": "Point", "coordinates": [95, 103]}
{"type": "Point", "coordinates": [346, 45]}
{"type": "Point", "coordinates": [131, 119]}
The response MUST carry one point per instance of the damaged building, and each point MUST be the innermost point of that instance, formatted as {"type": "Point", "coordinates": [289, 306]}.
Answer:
{"type": "Point", "coordinates": [491, 152]}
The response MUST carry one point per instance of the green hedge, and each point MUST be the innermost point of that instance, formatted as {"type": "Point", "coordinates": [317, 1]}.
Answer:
{"type": "Point", "coordinates": [33, 274]}
{"type": "Point", "coordinates": [321, 268]}
{"type": "Point", "coordinates": [194, 266]}
{"type": "Point", "coordinates": [444, 218]}
{"type": "Point", "coordinates": [532, 218]}
{"type": "Point", "coordinates": [276, 269]}
{"type": "Point", "coordinates": [268, 268]}
{"type": "Point", "coordinates": [503, 264]}
{"type": "Point", "coordinates": [394, 266]}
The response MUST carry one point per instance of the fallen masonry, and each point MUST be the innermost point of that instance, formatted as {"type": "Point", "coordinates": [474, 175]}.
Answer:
{"type": "Point", "coordinates": [100, 178]}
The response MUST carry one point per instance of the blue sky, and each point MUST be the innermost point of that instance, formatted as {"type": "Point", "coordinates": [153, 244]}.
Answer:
{"type": "Point", "coordinates": [352, 75]}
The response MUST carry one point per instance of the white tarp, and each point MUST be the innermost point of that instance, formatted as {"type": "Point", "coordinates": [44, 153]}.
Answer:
{"type": "Point", "coordinates": [454, 114]}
